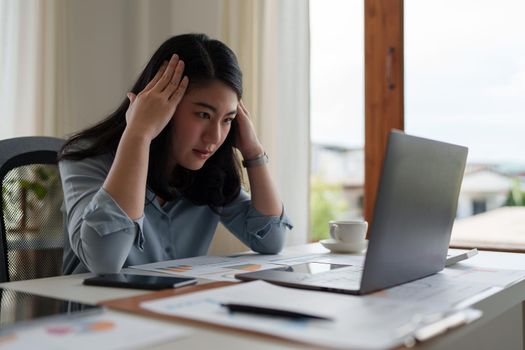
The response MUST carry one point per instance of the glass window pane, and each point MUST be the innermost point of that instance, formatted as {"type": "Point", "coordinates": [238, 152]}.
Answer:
{"type": "Point", "coordinates": [465, 84]}
{"type": "Point", "coordinates": [337, 112]}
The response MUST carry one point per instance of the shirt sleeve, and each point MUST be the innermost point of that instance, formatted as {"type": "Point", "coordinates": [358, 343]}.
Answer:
{"type": "Point", "coordinates": [262, 233]}
{"type": "Point", "coordinates": [100, 233]}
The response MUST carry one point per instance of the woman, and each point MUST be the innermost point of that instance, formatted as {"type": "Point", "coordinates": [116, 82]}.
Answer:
{"type": "Point", "coordinates": [152, 181]}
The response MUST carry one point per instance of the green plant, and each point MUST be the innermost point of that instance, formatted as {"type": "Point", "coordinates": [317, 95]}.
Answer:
{"type": "Point", "coordinates": [25, 189]}
{"type": "Point", "coordinates": [44, 178]}
{"type": "Point", "coordinates": [326, 203]}
{"type": "Point", "coordinates": [516, 196]}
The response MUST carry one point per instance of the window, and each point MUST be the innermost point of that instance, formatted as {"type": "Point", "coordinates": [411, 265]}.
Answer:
{"type": "Point", "coordinates": [479, 206]}
{"type": "Point", "coordinates": [465, 84]}
{"type": "Point", "coordinates": [337, 112]}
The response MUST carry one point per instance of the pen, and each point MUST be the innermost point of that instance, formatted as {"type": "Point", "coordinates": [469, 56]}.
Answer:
{"type": "Point", "coordinates": [259, 310]}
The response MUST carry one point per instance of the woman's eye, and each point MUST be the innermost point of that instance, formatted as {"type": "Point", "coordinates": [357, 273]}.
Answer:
{"type": "Point", "coordinates": [228, 120]}
{"type": "Point", "coordinates": [203, 115]}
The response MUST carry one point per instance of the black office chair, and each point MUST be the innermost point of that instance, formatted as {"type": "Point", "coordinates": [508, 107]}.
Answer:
{"type": "Point", "coordinates": [31, 224]}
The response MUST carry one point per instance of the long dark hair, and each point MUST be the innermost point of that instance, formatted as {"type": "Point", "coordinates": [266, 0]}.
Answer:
{"type": "Point", "coordinates": [218, 182]}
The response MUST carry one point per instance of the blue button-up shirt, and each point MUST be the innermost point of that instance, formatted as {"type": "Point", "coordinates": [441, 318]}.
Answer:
{"type": "Point", "coordinates": [100, 236]}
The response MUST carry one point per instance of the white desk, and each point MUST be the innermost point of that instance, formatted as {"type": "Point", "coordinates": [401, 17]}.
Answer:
{"type": "Point", "coordinates": [501, 327]}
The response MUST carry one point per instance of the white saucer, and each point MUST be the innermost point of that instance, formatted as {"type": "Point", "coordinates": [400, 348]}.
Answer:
{"type": "Point", "coordinates": [340, 247]}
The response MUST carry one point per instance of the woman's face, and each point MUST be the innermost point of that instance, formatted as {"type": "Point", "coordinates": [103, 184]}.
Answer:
{"type": "Point", "coordinates": [201, 123]}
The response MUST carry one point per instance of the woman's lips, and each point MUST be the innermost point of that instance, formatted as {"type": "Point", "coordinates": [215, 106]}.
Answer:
{"type": "Point", "coordinates": [202, 154]}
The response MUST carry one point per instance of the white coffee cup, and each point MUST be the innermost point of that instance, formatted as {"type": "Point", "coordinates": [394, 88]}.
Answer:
{"type": "Point", "coordinates": [349, 231]}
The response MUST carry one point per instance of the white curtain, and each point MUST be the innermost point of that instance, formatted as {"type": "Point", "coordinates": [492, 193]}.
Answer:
{"type": "Point", "coordinates": [67, 63]}
{"type": "Point", "coordinates": [30, 34]}
{"type": "Point", "coordinates": [271, 39]}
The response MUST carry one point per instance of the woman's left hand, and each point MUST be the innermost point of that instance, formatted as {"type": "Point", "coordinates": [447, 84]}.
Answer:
{"type": "Point", "coordinates": [246, 140]}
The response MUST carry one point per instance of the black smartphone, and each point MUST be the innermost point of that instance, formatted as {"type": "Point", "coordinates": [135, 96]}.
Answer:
{"type": "Point", "coordinates": [123, 280]}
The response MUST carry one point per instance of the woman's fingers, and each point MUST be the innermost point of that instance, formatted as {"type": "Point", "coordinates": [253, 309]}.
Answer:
{"type": "Point", "coordinates": [175, 79]}
{"type": "Point", "coordinates": [241, 104]}
{"type": "Point", "coordinates": [168, 74]}
{"type": "Point", "coordinates": [157, 76]}
{"type": "Point", "coordinates": [168, 79]}
{"type": "Point", "coordinates": [246, 139]}
{"type": "Point", "coordinates": [131, 96]}
{"type": "Point", "coordinates": [243, 108]}
{"type": "Point", "coordinates": [151, 110]}
{"type": "Point", "coordinates": [179, 91]}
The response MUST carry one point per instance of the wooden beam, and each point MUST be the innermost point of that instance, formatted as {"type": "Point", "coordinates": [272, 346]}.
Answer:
{"type": "Point", "coordinates": [384, 107]}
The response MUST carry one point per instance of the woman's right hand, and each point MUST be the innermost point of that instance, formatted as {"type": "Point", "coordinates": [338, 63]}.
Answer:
{"type": "Point", "coordinates": [151, 110]}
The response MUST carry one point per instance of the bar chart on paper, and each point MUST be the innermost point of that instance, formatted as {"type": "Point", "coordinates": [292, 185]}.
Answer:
{"type": "Point", "coordinates": [210, 267]}
{"type": "Point", "coordinates": [104, 331]}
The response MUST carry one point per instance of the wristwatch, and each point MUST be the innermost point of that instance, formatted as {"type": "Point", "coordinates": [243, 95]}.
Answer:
{"type": "Point", "coordinates": [259, 160]}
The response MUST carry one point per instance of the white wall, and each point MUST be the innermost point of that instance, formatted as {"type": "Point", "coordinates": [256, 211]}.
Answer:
{"type": "Point", "coordinates": [109, 43]}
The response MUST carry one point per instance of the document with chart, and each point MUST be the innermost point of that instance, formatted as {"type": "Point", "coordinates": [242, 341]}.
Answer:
{"type": "Point", "coordinates": [217, 268]}
{"type": "Point", "coordinates": [349, 321]}
{"type": "Point", "coordinates": [417, 310]}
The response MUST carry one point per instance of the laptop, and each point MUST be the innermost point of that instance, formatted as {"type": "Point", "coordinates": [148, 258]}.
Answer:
{"type": "Point", "coordinates": [415, 209]}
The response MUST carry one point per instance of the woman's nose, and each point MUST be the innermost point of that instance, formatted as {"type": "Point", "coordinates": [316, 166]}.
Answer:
{"type": "Point", "coordinates": [212, 134]}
